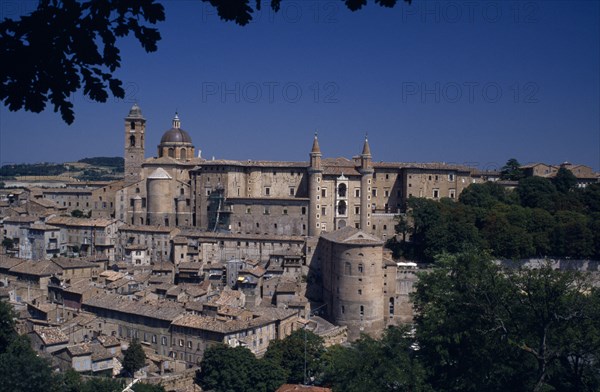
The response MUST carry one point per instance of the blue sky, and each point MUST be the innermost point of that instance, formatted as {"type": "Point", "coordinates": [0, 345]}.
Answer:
{"type": "Point", "coordinates": [448, 81]}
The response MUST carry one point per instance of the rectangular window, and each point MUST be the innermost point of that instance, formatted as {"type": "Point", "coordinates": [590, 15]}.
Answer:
{"type": "Point", "coordinates": [164, 341]}
{"type": "Point", "coordinates": [386, 193]}
{"type": "Point", "coordinates": [323, 192]}
{"type": "Point", "coordinates": [452, 193]}
{"type": "Point", "coordinates": [285, 211]}
{"type": "Point", "coordinates": [436, 193]}
{"type": "Point", "coordinates": [450, 177]}
{"type": "Point", "coordinates": [292, 191]}
{"type": "Point", "coordinates": [356, 210]}
{"type": "Point", "coordinates": [323, 211]}
{"type": "Point", "coordinates": [267, 191]}
{"type": "Point", "coordinates": [374, 192]}
{"type": "Point", "coordinates": [357, 192]}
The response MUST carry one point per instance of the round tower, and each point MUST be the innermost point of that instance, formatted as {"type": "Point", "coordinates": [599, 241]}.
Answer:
{"type": "Point", "coordinates": [160, 203]}
{"type": "Point", "coordinates": [315, 177]}
{"type": "Point", "coordinates": [135, 129]}
{"type": "Point", "coordinates": [353, 280]}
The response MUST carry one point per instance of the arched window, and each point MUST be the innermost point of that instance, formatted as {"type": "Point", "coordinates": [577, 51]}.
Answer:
{"type": "Point", "coordinates": [137, 190]}
{"type": "Point", "coordinates": [342, 190]}
{"type": "Point", "coordinates": [131, 141]}
{"type": "Point", "coordinates": [342, 207]}
{"type": "Point", "coordinates": [171, 152]}
{"type": "Point", "coordinates": [361, 268]}
{"type": "Point", "coordinates": [183, 154]}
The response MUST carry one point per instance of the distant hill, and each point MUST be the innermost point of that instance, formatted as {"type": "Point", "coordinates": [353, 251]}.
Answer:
{"type": "Point", "coordinates": [104, 161]}
{"type": "Point", "coordinates": [88, 169]}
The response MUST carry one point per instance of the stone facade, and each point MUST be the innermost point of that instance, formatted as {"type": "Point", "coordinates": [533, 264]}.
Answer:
{"type": "Point", "coordinates": [352, 280]}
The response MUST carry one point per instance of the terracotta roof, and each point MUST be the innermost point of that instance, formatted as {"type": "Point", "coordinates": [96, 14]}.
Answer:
{"type": "Point", "coordinates": [7, 262]}
{"type": "Point", "coordinates": [241, 236]}
{"type": "Point", "coordinates": [67, 263]}
{"type": "Point", "coordinates": [166, 311]}
{"type": "Point", "coordinates": [19, 219]}
{"type": "Point", "coordinates": [350, 235]}
{"type": "Point", "coordinates": [216, 325]}
{"type": "Point", "coordinates": [44, 203]}
{"type": "Point", "coordinates": [99, 352]}
{"type": "Point", "coordinates": [43, 227]}
{"type": "Point", "coordinates": [50, 335]}
{"type": "Point", "coordinates": [251, 163]}
{"type": "Point", "coordinates": [80, 222]}
{"type": "Point", "coordinates": [155, 229]}
{"type": "Point", "coordinates": [108, 341]}
{"type": "Point", "coordinates": [80, 349]}
{"type": "Point", "coordinates": [37, 268]}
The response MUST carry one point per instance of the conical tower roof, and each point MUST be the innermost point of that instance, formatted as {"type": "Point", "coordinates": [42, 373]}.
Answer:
{"type": "Point", "coordinates": [366, 149]}
{"type": "Point", "coordinates": [315, 147]}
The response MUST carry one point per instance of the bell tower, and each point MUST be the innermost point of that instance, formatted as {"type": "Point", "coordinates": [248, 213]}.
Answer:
{"type": "Point", "coordinates": [135, 129]}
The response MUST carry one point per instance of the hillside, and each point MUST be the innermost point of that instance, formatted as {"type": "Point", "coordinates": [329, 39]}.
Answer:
{"type": "Point", "coordinates": [86, 169]}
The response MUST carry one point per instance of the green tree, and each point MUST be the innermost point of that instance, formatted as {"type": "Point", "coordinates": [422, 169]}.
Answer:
{"type": "Point", "coordinates": [484, 195]}
{"type": "Point", "coordinates": [134, 357]}
{"type": "Point", "coordinates": [480, 327]}
{"type": "Point", "coordinates": [511, 170]}
{"type": "Point", "coordinates": [142, 387]}
{"type": "Point", "coordinates": [22, 370]}
{"type": "Point", "coordinates": [226, 369]}
{"type": "Point", "coordinates": [289, 353]}
{"type": "Point", "coordinates": [77, 214]}
{"type": "Point", "coordinates": [565, 180]}
{"type": "Point", "coordinates": [537, 192]}
{"type": "Point", "coordinates": [8, 243]}
{"type": "Point", "coordinates": [69, 381]}
{"type": "Point", "coordinates": [102, 384]}
{"type": "Point", "coordinates": [7, 325]}
{"type": "Point", "coordinates": [388, 364]}
{"type": "Point", "coordinates": [572, 236]}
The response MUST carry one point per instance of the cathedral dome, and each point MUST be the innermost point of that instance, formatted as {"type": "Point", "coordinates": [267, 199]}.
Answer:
{"type": "Point", "coordinates": [176, 135]}
{"type": "Point", "coordinates": [176, 143]}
